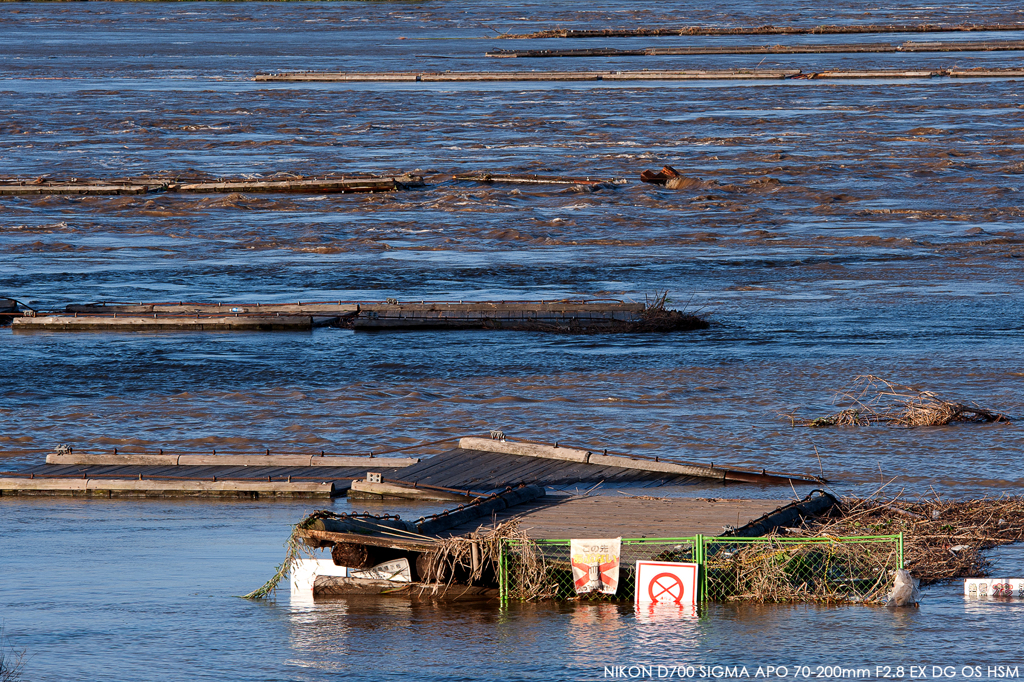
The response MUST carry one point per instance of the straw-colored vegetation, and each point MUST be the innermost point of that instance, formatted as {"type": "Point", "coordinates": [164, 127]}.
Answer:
{"type": "Point", "coordinates": [941, 540]}
{"type": "Point", "coordinates": [879, 401]}
{"type": "Point", "coordinates": [657, 317]}
{"type": "Point", "coordinates": [776, 570]}
{"type": "Point", "coordinates": [472, 559]}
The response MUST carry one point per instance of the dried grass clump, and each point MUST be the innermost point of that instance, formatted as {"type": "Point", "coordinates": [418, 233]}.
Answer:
{"type": "Point", "coordinates": [469, 559]}
{"type": "Point", "coordinates": [531, 573]}
{"type": "Point", "coordinates": [880, 401]}
{"type": "Point", "coordinates": [656, 317]}
{"type": "Point", "coordinates": [941, 540]}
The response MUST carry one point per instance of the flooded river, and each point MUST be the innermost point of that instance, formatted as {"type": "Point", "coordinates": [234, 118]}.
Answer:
{"type": "Point", "coordinates": [833, 229]}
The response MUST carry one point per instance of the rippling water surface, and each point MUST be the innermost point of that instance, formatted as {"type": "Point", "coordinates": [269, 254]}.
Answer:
{"type": "Point", "coordinates": [833, 229]}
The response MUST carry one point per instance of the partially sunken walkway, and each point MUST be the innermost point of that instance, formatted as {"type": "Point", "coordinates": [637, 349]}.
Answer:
{"type": "Point", "coordinates": [478, 466]}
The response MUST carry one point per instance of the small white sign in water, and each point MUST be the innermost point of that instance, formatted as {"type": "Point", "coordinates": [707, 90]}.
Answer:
{"type": "Point", "coordinates": [304, 572]}
{"type": "Point", "coordinates": [397, 571]}
{"type": "Point", "coordinates": [664, 582]}
{"type": "Point", "coordinates": [994, 587]}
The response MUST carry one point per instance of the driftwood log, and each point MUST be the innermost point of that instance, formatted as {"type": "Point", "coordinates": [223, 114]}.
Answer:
{"type": "Point", "coordinates": [352, 555]}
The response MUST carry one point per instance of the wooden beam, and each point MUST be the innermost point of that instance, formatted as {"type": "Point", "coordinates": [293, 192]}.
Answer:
{"type": "Point", "coordinates": [88, 459]}
{"type": "Point", "coordinates": [391, 541]}
{"type": "Point", "coordinates": [161, 488]}
{"type": "Point", "coordinates": [643, 464]}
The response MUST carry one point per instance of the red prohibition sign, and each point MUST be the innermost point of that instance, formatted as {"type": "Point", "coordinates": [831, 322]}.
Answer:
{"type": "Point", "coordinates": [666, 584]}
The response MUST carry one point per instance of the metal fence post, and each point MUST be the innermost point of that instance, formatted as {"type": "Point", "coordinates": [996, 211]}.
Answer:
{"type": "Point", "coordinates": [502, 574]}
{"type": "Point", "coordinates": [698, 558]}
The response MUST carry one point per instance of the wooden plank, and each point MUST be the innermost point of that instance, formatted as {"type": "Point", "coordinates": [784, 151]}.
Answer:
{"type": "Point", "coordinates": [327, 587]}
{"type": "Point", "coordinates": [878, 73]}
{"type": "Point", "coordinates": [664, 466]}
{"type": "Point", "coordinates": [95, 459]}
{"type": "Point", "coordinates": [695, 50]}
{"type": "Point", "coordinates": [496, 306]}
{"type": "Point", "coordinates": [578, 455]}
{"type": "Point", "coordinates": [454, 461]}
{"type": "Point", "coordinates": [393, 491]}
{"type": "Point", "coordinates": [494, 315]}
{"type": "Point", "coordinates": [13, 190]}
{"type": "Point", "coordinates": [183, 316]}
{"type": "Point", "coordinates": [507, 470]}
{"type": "Point", "coordinates": [702, 75]}
{"type": "Point", "coordinates": [339, 308]}
{"type": "Point", "coordinates": [524, 76]}
{"type": "Point", "coordinates": [768, 30]}
{"type": "Point", "coordinates": [343, 185]}
{"type": "Point", "coordinates": [390, 541]}
{"type": "Point", "coordinates": [327, 185]}
{"type": "Point", "coordinates": [986, 73]}
{"type": "Point", "coordinates": [538, 471]}
{"type": "Point", "coordinates": [300, 76]}
{"type": "Point", "coordinates": [819, 48]}
{"type": "Point", "coordinates": [163, 323]}
{"type": "Point", "coordinates": [525, 449]}
{"type": "Point", "coordinates": [534, 179]}
{"type": "Point", "coordinates": [200, 473]}
{"type": "Point", "coordinates": [963, 46]}
{"type": "Point", "coordinates": [161, 488]}
{"type": "Point", "coordinates": [115, 460]}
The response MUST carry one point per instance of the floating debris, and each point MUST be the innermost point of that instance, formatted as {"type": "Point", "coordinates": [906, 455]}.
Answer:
{"type": "Point", "coordinates": [537, 180]}
{"type": "Point", "coordinates": [941, 540]}
{"type": "Point", "coordinates": [880, 401]}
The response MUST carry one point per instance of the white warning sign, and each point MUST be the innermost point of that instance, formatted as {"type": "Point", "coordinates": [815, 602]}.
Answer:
{"type": "Point", "coordinates": [595, 565]}
{"type": "Point", "coordinates": [398, 571]}
{"type": "Point", "coordinates": [662, 582]}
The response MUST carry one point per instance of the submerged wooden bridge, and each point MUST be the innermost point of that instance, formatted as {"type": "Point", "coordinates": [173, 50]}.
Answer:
{"type": "Point", "coordinates": [478, 466]}
{"type": "Point", "coordinates": [635, 75]}
{"type": "Point", "coordinates": [582, 316]}
{"type": "Point", "coordinates": [343, 184]}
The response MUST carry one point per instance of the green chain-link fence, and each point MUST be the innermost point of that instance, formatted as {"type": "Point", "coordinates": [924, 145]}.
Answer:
{"type": "Point", "coordinates": [541, 569]}
{"type": "Point", "coordinates": [858, 569]}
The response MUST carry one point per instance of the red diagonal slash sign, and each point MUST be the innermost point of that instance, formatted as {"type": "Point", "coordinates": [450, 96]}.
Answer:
{"type": "Point", "coordinates": [602, 569]}
{"type": "Point", "coordinates": [666, 587]}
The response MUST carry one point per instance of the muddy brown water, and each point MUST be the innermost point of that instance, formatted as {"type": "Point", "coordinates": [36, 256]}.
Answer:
{"type": "Point", "coordinates": [833, 229]}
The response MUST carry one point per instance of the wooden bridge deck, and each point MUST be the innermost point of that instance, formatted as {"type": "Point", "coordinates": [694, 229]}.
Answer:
{"type": "Point", "coordinates": [480, 470]}
{"type": "Point", "coordinates": [459, 469]}
{"type": "Point", "coordinates": [610, 516]}
{"type": "Point", "coordinates": [475, 469]}
{"type": "Point", "coordinates": [610, 316]}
